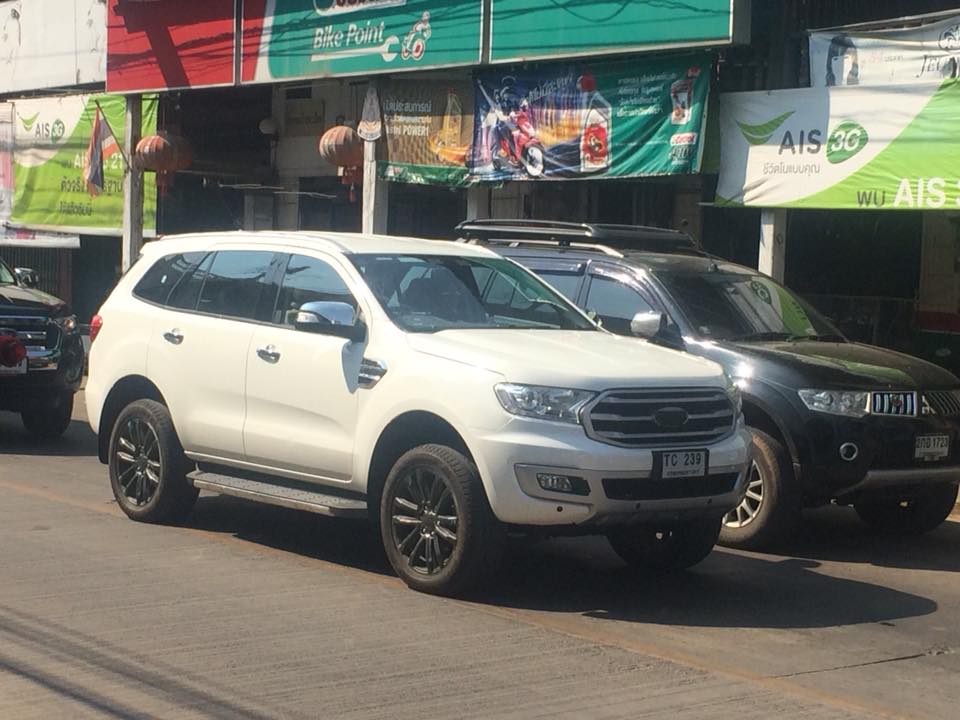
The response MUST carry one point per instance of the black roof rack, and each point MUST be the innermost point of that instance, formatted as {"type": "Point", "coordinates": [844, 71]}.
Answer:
{"type": "Point", "coordinates": [597, 237]}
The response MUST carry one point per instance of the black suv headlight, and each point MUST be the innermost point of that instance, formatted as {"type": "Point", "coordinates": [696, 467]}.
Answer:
{"type": "Point", "coordinates": [850, 403]}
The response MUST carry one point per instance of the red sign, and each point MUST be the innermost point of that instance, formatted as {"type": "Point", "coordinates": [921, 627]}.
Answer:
{"type": "Point", "coordinates": [169, 45]}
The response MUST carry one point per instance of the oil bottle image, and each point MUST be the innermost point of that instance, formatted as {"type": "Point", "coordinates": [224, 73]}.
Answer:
{"type": "Point", "coordinates": [595, 134]}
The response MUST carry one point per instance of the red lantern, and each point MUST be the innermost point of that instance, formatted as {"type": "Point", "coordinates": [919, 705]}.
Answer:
{"type": "Point", "coordinates": [163, 153]}
{"type": "Point", "coordinates": [12, 351]}
{"type": "Point", "coordinates": [341, 146]}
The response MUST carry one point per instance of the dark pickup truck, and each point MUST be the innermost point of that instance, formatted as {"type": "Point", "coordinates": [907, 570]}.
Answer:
{"type": "Point", "coordinates": [41, 354]}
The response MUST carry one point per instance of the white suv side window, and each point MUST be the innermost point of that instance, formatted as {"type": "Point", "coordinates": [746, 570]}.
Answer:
{"type": "Point", "coordinates": [308, 279]}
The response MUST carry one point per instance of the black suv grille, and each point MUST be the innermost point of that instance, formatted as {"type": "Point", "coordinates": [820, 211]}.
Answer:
{"type": "Point", "coordinates": [944, 402]}
{"type": "Point", "coordinates": [666, 416]}
{"type": "Point", "coordinates": [34, 332]}
{"type": "Point", "coordinates": [900, 403]}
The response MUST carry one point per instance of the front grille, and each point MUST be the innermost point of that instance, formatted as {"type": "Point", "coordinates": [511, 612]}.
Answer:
{"type": "Point", "coordinates": [647, 489]}
{"type": "Point", "coordinates": [34, 332]}
{"type": "Point", "coordinates": [898, 403]}
{"type": "Point", "coordinates": [943, 402]}
{"type": "Point", "coordinates": [663, 417]}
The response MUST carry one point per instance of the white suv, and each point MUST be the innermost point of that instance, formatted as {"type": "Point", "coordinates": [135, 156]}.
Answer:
{"type": "Point", "coordinates": [434, 387]}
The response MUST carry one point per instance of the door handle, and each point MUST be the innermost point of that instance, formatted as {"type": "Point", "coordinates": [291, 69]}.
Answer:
{"type": "Point", "coordinates": [268, 353]}
{"type": "Point", "coordinates": [174, 336]}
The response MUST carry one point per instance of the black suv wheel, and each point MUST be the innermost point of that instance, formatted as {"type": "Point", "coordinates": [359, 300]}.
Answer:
{"type": "Point", "coordinates": [915, 512]}
{"type": "Point", "coordinates": [437, 528]}
{"type": "Point", "coordinates": [49, 420]}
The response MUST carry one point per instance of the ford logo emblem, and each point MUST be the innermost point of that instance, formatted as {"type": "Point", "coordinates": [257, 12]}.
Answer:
{"type": "Point", "coordinates": [670, 418]}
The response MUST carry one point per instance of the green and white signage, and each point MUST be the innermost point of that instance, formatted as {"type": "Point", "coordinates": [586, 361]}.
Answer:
{"type": "Point", "coordinates": [888, 148]}
{"type": "Point", "coordinates": [541, 29]}
{"type": "Point", "coordinates": [321, 38]}
{"type": "Point", "coordinates": [51, 137]}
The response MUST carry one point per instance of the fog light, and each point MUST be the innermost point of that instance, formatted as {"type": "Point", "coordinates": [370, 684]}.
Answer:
{"type": "Point", "coordinates": [849, 451]}
{"type": "Point", "coordinates": [563, 483]}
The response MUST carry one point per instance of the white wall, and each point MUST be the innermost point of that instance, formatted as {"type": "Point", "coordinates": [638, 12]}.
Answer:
{"type": "Point", "coordinates": [52, 43]}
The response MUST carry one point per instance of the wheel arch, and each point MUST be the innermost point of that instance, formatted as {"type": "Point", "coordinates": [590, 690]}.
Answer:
{"type": "Point", "coordinates": [402, 433]}
{"type": "Point", "coordinates": [125, 391]}
{"type": "Point", "coordinates": [758, 415]}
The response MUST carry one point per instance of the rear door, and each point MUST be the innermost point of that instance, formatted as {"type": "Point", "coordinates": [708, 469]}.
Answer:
{"type": "Point", "coordinates": [198, 352]}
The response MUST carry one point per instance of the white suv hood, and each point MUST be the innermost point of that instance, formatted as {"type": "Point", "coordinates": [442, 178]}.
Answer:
{"type": "Point", "coordinates": [570, 358]}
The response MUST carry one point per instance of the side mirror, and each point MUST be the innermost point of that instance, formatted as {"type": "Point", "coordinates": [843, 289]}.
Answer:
{"type": "Point", "coordinates": [27, 277]}
{"type": "Point", "coordinates": [657, 328]}
{"type": "Point", "coordinates": [330, 318]}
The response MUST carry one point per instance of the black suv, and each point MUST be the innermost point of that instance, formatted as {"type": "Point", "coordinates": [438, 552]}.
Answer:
{"type": "Point", "coordinates": [832, 420]}
{"type": "Point", "coordinates": [41, 354]}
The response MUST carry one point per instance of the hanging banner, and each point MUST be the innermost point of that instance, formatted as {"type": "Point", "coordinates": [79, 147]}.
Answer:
{"type": "Point", "coordinates": [51, 137]}
{"type": "Point", "coordinates": [927, 53]}
{"type": "Point", "coordinates": [608, 119]}
{"type": "Point", "coordinates": [890, 148]}
{"type": "Point", "coordinates": [429, 125]}
{"type": "Point", "coordinates": [539, 29]}
{"type": "Point", "coordinates": [324, 38]}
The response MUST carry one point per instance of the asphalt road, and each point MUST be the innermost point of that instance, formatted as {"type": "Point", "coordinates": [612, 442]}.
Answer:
{"type": "Point", "coordinates": [260, 612]}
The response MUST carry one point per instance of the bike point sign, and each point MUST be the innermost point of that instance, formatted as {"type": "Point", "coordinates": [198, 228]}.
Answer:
{"type": "Point", "coordinates": [891, 147]}
{"type": "Point", "coordinates": [591, 119]}
{"type": "Point", "coordinates": [51, 137]}
{"type": "Point", "coordinates": [323, 38]}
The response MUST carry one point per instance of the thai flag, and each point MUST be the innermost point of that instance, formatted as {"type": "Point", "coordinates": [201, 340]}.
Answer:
{"type": "Point", "coordinates": [102, 145]}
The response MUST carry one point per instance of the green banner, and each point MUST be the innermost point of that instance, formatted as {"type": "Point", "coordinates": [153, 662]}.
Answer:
{"type": "Point", "coordinates": [320, 38]}
{"type": "Point", "coordinates": [532, 29]}
{"type": "Point", "coordinates": [428, 126]}
{"type": "Point", "coordinates": [51, 138]}
{"type": "Point", "coordinates": [879, 148]}
{"type": "Point", "coordinates": [607, 118]}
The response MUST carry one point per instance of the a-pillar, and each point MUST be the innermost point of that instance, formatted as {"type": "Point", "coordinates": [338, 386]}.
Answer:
{"type": "Point", "coordinates": [132, 186]}
{"type": "Point", "coordinates": [375, 198]}
{"type": "Point", "coordinates": [773, 242]}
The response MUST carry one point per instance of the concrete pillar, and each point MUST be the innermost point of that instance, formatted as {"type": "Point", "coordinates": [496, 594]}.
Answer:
{"type": "Point", "coordinates": [773, 242]}
{"type": "Point", "coordinates": [288, 205]}
{"type": "Point", "coordinates": [132, 186]}
{"type": "Point", "coordinates": [375, 196]}
{"type": "Point", "coordinates": [478, 202]}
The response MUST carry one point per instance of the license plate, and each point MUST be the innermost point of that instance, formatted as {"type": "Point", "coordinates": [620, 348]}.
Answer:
{"type": "Point", "coordinates": [683, 463]}
{"type": "Point", "coordinates": [20, 369]}
{"type": "Point", "coordinates": [931, 447]}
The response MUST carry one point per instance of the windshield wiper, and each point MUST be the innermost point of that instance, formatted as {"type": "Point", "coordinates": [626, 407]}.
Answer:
{"type": "Point", "coordinates": [788, 337]}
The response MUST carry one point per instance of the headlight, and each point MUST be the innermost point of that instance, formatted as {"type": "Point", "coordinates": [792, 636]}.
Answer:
{"type": "Point", "coordinates": [736, 398]}
{"type": "Point", "coordinates": [851, 403]}
{"type": "Point", "coordinates": [545, 403]}
{"type": "Point", "coordinates": [68, 323]}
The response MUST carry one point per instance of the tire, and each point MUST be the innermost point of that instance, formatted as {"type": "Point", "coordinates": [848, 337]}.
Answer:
{"type": "Point", "coordinates": [670, 548]}
{"type": "Point", "coordinates": [147, 465]}
{"type": "Point", "coordinates": [49, 421]}
{"type": "Point", "coordinates": [916, 512]}
{"type": "Point", "coordinates": [437, 528]}
{"type": "Point", "coordinates": [770, 512]}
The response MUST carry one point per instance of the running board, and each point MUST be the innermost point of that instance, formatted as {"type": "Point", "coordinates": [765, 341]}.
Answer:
{"type": "Point", "coordinates": [272, 493]}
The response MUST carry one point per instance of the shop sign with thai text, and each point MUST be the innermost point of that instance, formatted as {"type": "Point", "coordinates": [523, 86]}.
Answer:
{"type": "Point", "coordinates": [892, 147]}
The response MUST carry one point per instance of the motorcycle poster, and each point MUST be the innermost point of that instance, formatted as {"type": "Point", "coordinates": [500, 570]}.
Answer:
{"type": "Point", "coordinates": [623, 118]}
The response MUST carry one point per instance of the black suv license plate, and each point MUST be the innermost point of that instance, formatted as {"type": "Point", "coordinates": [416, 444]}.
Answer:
{"type": "Point", "coordinates": [669, 464]}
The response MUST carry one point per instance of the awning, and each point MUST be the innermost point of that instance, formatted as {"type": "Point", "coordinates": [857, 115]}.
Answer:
{"type": "Point", "coordinates": [12, 237]}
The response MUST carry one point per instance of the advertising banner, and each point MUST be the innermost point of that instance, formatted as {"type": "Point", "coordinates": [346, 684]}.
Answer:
{"type": "Point", "coordinates": [322, 38]}
{"type": "Point", "coordinates": [892, 147]}
{"type": "Point", "coordinates": [539, 29]}
{"type": "Point", "coordinates": [926, 53]}
{"type": "Point", "coordinates": [169, 45]}
{"type": "Point", "coordinates": [591, 119]}
{"type": "Point", "coordinates": [429, 125]}
{"type": "Point", "coordinates": [51, 137]}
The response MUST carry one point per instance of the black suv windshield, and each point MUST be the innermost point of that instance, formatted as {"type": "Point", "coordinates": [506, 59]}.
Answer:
{"type": "Point", "coordinates": [739, 306]}
{"type": "Point", "coordinates": [427, 293]}
{"type": "Point", "coordinates": [6, 277]}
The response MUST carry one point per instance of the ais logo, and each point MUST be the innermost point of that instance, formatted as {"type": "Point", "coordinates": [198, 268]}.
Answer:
{"type": "Point", "coordinates": [847, 139]}
{"type": "Point", "coordinates": [52, 131]}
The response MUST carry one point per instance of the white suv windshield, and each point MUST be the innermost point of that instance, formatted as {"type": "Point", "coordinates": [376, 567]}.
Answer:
{"type": "Point", "coordinates": [427, 293]}
{"type": "Point", "coordinates": [6, 277]}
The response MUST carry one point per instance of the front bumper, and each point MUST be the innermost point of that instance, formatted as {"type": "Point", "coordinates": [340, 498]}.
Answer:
{"type": "Point", "coordinates": [50, 374]}
{"type": "Point", "coordinates": [912, 477]}
{"type": "Point", "coordinates": [622, 488]}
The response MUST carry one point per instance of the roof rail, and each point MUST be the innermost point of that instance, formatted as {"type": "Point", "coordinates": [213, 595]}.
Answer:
{"type": "Point", "coordinates": [586, 247]}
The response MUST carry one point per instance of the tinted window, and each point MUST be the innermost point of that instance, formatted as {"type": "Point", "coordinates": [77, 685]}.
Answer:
{"type": "Point", "coordinates": [185, 294]}
{"type": "Point", "coordinates": [615, 304]}
{"type": "Point", "coordinates": [565, 282]}
{"type": "Point", "coordinates": [307, 279]}
{"type": "Point", "coordinates": [238, 285]}
{"type": "Point", "coordinates": [157, 282]}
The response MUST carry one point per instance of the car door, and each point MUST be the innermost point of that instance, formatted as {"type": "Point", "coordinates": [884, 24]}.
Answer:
{"type": "Point", "coordinates": [615, 297]}
{"type": "Point", "coordinates": [301, 386]}
{"type": "Point", "coordinates": [198, 352]}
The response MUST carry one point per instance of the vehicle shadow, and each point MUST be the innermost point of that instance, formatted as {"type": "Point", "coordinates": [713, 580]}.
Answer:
{"type": "Point", "coordinates": [582, 575]}
{"type": "Point", "coordinates": [836, 534]}
{"type": "Point", "coordinates": [77, 441]}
